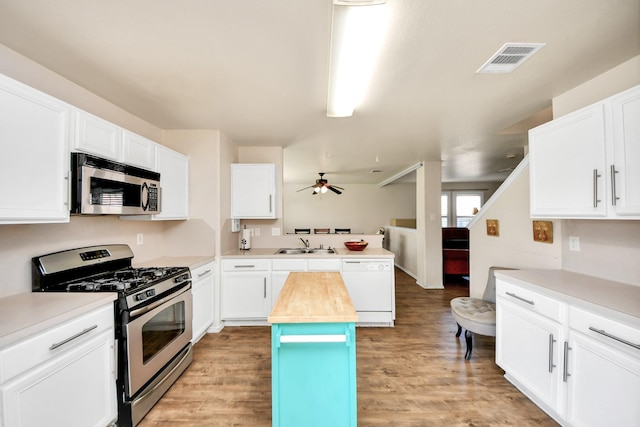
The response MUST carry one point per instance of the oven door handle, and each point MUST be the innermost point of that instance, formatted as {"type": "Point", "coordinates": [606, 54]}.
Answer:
{"type": "Point", "coordinates": [147, 308]}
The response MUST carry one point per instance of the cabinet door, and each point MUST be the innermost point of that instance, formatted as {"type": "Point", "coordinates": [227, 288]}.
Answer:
{"type": "Point", "coordinates": [625, 169]}
{"type": "Point", "coordinates": [76, 389]}
{"type": "Point", "coordinates": [528, 348]}
{"type": "Point", "coordinates": [97, 136]}
{"type": "Point", "coordinates": [567, 166]}
{"type": "Point", "coordinates": [253, 191]}
{"type": "Point", "coordinates": [203, 285]}
{"type": "Point", "coordinates": [314, 374]}
{"type": "Point", "coordinates": [245, 295]}
{"type": "Point", "coordinates": [604, 384]}
{"type": "Point", "coordinates": [34, 156]}
{"type": "Point", "coordinates": [138, 151]}
{"type": "Point", "coordinates": [174, 180]}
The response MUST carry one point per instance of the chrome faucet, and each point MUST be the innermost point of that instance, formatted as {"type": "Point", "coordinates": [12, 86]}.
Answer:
{"type": "Point", "coordinates": [306, 243]}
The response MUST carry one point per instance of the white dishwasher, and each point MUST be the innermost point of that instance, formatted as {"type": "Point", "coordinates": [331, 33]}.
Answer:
{"type": "Point", "coordinates": [371, 285]}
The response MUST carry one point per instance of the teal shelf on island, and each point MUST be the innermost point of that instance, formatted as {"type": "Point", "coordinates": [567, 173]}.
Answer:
{"type": "Point", "coordinates": [314, 374]}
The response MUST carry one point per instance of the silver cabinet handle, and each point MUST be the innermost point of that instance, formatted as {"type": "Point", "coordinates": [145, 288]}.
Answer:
{"type": "Point", "coordinates": [270, 203]}
{"type": "Point", "coordinates": [204, 273]}
{"type": "Point", "coordinates": [264, 287]}
{"type": "Point", "coordinates": [244, 266]}
{"type": "Point", "coordinates": [613, 337]}
{"type": "Point", "coordinates": [285, 339]}
{"type": "Point", "coordinates": [551, 365]}
{"type": "Point", "coordinates": [79, 334]}
{"type": "Point", "coordinates": [565, 368]}
{"type": "Point", "coordinates": [528, 301]}
{"type": "Point", "coordinates": [595, 188]}
{"type": "Point", "coordinates": [614, 197]}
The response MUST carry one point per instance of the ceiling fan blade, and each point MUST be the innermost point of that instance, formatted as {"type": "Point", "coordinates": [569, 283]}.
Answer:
{"type": "Point", "coordinates": [311, 186]}
{"type": "Point", "coordinates": [335, 186]}
{"type": "Point", "coordinates": [334, 190]}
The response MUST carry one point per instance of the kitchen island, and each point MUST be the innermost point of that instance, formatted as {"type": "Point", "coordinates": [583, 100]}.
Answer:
{"type": "Point", "coordinates": [313, 352]}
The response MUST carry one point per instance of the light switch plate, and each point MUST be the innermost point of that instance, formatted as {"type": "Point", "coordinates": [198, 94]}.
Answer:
{"type": "Point", "coordinates": [574, 243]}
{"type": "Point", "coordinates": [235, 225]}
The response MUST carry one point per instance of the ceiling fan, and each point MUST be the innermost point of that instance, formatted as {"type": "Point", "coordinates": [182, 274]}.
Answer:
{"type": "Point", "coordinates": [322, 185]}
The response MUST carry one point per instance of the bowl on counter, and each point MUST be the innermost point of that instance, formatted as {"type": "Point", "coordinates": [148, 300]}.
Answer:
{"type": "Point", "coordinates": [356, 245]}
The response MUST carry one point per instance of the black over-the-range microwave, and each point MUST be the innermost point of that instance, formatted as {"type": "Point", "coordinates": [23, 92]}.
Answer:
{"type": "Point", "coordinates": [104, 187]}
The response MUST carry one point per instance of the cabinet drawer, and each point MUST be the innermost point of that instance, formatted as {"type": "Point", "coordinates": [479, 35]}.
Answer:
{"type": "Point", "coordinates": [324, 264]}
{"type": "Point", "coordinates": [289, 265]}
{"type": "Point", "coordinates": [202, 271]}
{"type": "Point", "coordinates": [535, 302]}
{"type": "Point", "coordinates": [606, 330]}
{"type": "Point", "coordinates": [245, 264]}
{"type": "Point", "coordinates": [31, 352]}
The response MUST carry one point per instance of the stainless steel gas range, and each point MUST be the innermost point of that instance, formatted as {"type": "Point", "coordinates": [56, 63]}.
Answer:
{"type": "Point", "coordinates": [153, 315]}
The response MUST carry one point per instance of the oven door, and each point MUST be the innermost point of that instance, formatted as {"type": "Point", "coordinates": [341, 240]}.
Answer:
{"type": "Point", "coordinates": [156, 336]}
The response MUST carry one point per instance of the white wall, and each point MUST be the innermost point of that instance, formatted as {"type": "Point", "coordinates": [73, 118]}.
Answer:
{"type": "Point", "coordinates": [361, 207]}
{"type": "Point", "coordinates": [403, 243]}
{"type": "Point", "coordinates": [609, 249]}
{"type": "Point", "coordinates": [514, 247]}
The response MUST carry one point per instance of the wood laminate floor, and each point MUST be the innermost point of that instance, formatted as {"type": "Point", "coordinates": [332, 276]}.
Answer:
{"type": "Point", "coordinates": [411, 375]}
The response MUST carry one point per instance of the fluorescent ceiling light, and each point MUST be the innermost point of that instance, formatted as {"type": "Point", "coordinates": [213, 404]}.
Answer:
{"type": "Point", "coordinates": [400, 174]}
{"type": "Point", "coordinates": [358, 28]}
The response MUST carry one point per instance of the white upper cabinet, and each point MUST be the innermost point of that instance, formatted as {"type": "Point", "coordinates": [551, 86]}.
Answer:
{"type": "Point", "coordinates": [625, 168]}
{"type": "Point", "coordinates": [587, 164]}
{"type": "Point", "coordinates": [174, 181]}
{"type": "Point", "coordinates": [34, 155]}
{"type": "Point", "coordinates": [138, 151]}
{"type": "Point", "coordinates": [97, 136]}
{"type": "Point", "coordinates": [253, 191]}
{"type": "Point", "coordinates": [174, 186]}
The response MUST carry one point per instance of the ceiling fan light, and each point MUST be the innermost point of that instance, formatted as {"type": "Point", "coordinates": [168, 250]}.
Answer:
{"type": "Point", "coordinates": [323, 189]}
{"type": "Point", "coordinates": [358, 29]}
{"type": "Point", "coordinates": [316, 190]}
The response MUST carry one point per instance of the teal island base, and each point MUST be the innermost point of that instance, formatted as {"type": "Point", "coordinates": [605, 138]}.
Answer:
{"type": "Point", "coordinates": [313, 374]}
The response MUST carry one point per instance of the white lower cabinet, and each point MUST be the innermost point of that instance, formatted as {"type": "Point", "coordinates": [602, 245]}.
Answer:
{"type": "Point", "coordinates": [581, 367]}
{"type": "Point", "coordinates": [64, 376]}
{"type": "Point", "coordinates": [603, 371]}
{"type": "Point", "coordinates": [246, 289]}
{"type": "Point", "coordinates": [203, 282]}
{"type": "Point", "coordinates": [528, 349]}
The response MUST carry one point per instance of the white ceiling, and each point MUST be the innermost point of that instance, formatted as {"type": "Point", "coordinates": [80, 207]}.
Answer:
{"type": "Point", "coordinates": [257, 70]}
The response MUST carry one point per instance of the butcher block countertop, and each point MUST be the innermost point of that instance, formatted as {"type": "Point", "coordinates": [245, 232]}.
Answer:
{"type": "Point", "coordinates": [313, 297]}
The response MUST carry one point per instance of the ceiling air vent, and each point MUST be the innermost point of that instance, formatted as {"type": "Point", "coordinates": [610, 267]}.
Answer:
{"type": "Point", "coordinates": [509, 56]}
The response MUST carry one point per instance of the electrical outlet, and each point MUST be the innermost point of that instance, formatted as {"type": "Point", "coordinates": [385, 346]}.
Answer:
{"type": "Point", "coordinates": [574, 243]}
{"type": "Point", "coordinates": [139, 238]}
{"type": "Point", "coordinates": [256, 232]}
{"type": "Point", "coordinates": [275, 231]}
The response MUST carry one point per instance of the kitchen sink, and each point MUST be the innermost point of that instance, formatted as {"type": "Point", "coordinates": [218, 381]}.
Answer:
{"type": "Point", "coordinates": [294, 251]}
{"type": "Point", "coordinates": [322, 251]}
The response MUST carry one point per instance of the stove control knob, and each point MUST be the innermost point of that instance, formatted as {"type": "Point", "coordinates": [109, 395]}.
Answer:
{"type": "Point", "coordinates": [140, 297]}
{"type": "Point", "coordinates": [150, 292]}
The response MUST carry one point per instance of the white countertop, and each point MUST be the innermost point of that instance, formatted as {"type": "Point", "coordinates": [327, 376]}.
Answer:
{"type": "Point", "coordinates": [25, 314]}
{"type": "Point", "coordinates": [182, 261]}
{"type": "Point", "coordinates": [22, 315]}
{"type": "Point", "coordinates": [616, 296]}
{"type": "Point", "coordinates": [340, 253]}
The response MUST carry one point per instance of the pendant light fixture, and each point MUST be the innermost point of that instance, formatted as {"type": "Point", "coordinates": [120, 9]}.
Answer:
{"type": "Point", "coordinates": [357, 31]}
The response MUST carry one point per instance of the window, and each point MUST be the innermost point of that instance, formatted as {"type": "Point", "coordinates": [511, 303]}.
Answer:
{"type": "Point", "coordinates": [459, 207]}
